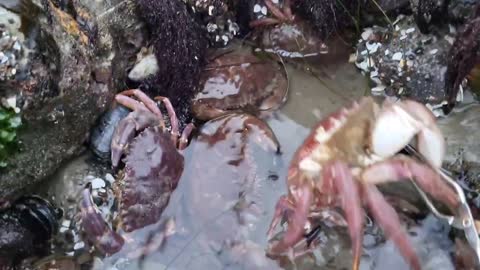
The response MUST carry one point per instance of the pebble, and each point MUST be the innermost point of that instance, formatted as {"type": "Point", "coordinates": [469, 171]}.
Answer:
{"type": "Point", "coordinates": [366, 34]}
{"type": "Point", "coordinates": [264, 11]}
{"type": "Point", "coordinates": [397, 56]}
{"type": "Point", "coordinates": [79, 245]}
{"type": "Point", "coordinates": [146, 67]}
{"type": "Point", "coordinates": [109, 177]}
{"type": "Point", "coordinates": [66, 223]}
{"type": "Point", "coordinates": [97, 183]}
{"type": "Point", "coordinates": [373, 46]}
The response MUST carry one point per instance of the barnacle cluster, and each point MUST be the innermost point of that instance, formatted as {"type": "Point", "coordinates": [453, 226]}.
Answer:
{"type": "Point", "coordinates": [13, 53]}
{"type": "Point", "coordinates": [218, 18]}
{"type": "Point", "coordinates": [404, 62]}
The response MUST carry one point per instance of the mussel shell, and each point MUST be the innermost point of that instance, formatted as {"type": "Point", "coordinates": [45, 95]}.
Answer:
{"type": "Point", "coordinates": [39, 215]}
{"type": "Point", "coordinates": [26, 228]}
{"type": "Point", "coordinates": [101, 137]}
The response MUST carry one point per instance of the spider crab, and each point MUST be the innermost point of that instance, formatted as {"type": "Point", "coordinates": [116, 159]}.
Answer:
{"type": "Point", "coordinates": [342, 160]}
{"type": "Point", "coordinates": [153, 167]}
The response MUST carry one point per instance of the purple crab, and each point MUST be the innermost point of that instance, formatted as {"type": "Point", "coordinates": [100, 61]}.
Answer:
{"type": "Point", "coordinates": [153, 167]}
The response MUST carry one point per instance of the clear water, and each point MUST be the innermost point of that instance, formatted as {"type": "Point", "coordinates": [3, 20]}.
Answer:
{"type": "Point", "coordinates": [202, 223]}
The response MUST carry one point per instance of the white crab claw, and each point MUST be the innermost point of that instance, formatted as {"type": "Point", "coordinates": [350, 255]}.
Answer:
{"type": "Point", "coordinates": [397, 124]}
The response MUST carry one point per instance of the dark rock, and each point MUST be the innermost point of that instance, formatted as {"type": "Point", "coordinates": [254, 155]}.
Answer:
{"type": "Point", "coordinates": [429, 12]}
{"type": "Point", "coordinates": [459, 11]}
{"type": "Point", "coordinates": [79, 64]}
{"type": "Point", "coordinates": [462, 57]}
{"type": "Point", "coordinates": [403, 62]}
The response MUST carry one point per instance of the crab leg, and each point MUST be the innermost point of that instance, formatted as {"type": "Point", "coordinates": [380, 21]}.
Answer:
{"type": "Point", "coordinates": [95, 227]}
{"type": "Point", "coordinates": [276, 11]}
{"type": "Point", "coordinates": [389, 221]}
{"type": "Point", "coordinates": [297, 219]}
{"type": "Point", "coordinates": [263, 22]}
{"type": "Point", "coordinates": [185, 134]}
{"type": "Point", "coordinates": [173, 117]}
{"type": "Point", "coordinates": [404, 168]}
{"type": "Point", "coordinates": [149, 103]}
{"type": "Point", "coordinates": [338, 178]}
{"type": "Point", "coordinates": [287, 10]}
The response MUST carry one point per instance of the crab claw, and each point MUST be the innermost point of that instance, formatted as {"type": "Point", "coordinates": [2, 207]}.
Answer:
{"type": "Point", "coordinates": [398, 123]}
{"type": "Point", "coordinates": [136, 121]}
{"type": "Point", "coordinates": [95, 227]}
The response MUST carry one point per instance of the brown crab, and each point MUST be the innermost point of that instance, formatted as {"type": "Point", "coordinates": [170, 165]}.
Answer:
{"type": "Point", "coordinates": [346, 156]}
{"type": "Point", "coordinates": [153, 166]}
{"type": "Point", "coordinates": [286, 34]}
{"type": "Point", "coordinates": [237, 82]}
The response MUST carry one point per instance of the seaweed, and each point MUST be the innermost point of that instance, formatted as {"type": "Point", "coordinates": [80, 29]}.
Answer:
{"type": "Point", "coordinates": [180, 46]}
{"type": "Point", "coordinates": [328, 16]}
{"type": "Point", "coordinates": [10, 122]}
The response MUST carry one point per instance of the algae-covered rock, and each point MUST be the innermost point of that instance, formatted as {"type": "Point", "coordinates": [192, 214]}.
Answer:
{"type": "Point", "coordinates": [74, 70]}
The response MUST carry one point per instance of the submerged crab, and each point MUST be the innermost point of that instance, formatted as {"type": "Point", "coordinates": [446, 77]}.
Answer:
{"type": "Point", "coordinates": [153, 167]}
{"type": "Point", "coordinates": [239, 81]}
{"type": "Point", "coordinates": [286, 34]}
{"type": "Point", "coordinates": [343, 159]}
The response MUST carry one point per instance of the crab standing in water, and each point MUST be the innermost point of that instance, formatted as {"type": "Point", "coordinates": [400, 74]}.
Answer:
{"type": "Point", "coordinates": [286, 34]}
{"type": "Point", "coordinates": [345, 156]}
{"type": "Point", "coordinates": [153, 166]}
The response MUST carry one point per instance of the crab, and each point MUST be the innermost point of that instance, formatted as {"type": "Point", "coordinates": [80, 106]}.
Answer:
{"type": "Point", "coordinates": [238, 82]}
{"type": "Point", "coordinates": [153, 167]}
{"type": "Point", "coordinates": [285, 34]}
{"type": "Point", "coordinates": [343, 159]}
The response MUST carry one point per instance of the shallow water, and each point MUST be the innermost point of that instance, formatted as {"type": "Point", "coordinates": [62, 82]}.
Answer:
{"type": "Point", "coordinates": [201, 223]}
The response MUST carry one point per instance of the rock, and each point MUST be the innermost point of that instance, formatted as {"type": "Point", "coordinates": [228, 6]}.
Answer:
{"type": "Point", "coordinates": [403, 62]}
{"type": "Point", "coordinates": [77, 65]}
{"type": "Point", "coordinates": [144, 68]}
